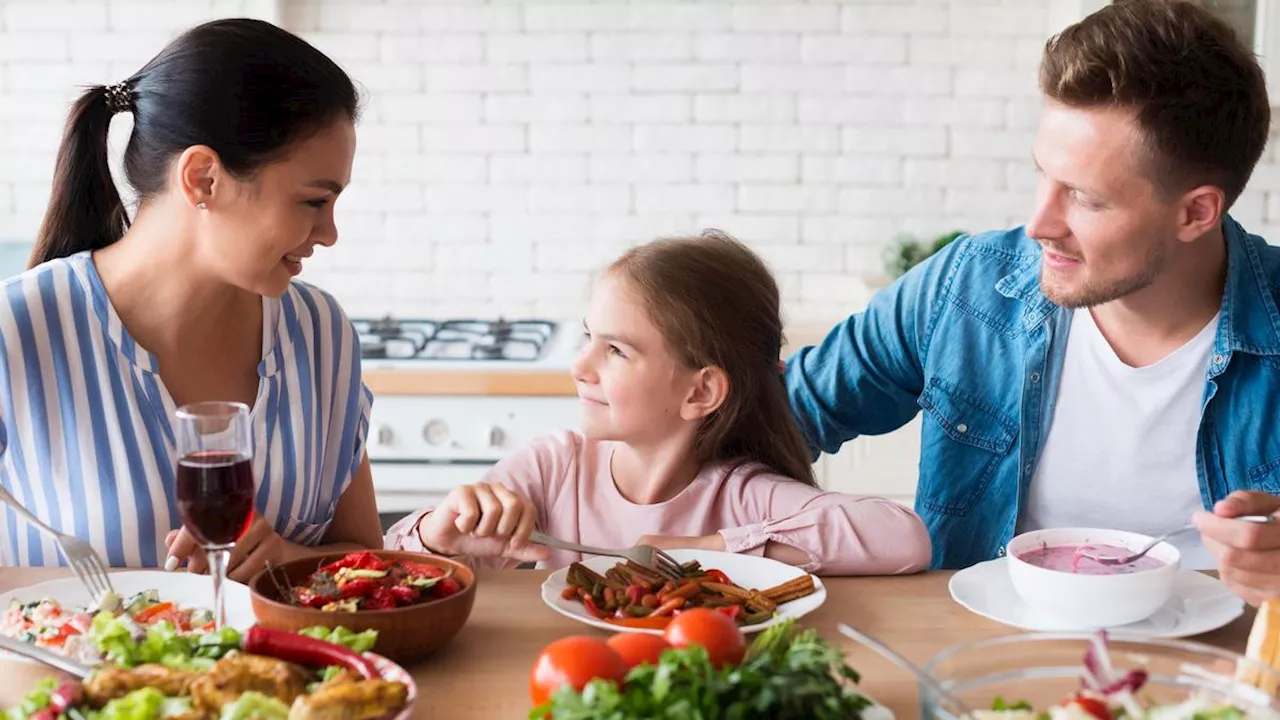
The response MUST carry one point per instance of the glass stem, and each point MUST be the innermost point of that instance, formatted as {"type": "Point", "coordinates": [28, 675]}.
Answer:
{"type": "Point", "coordinates": [218, 558]}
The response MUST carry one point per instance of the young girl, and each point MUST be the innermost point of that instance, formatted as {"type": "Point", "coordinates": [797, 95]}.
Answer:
{"type": "Point", "coordinates": [687, 439]}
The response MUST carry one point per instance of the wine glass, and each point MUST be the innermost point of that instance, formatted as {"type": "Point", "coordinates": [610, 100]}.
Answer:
{"type": "Point", "coordinates": [215, 483]}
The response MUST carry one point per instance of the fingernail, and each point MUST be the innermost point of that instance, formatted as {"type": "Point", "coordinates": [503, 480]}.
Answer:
{"type": "Point", "coordinates": [171, 564]}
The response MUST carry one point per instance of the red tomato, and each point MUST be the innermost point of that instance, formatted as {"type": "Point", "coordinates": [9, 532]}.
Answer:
{"type": "Point", "coordinates": [575, 661]}
{"type": "Point", "coordinates": [715, 631]}
{"type": "Point", "coordinates": [638, 648]}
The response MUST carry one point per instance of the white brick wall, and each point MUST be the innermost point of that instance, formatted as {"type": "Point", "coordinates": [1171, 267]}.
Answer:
{"type": "Point", "coordinates": [510, 147]}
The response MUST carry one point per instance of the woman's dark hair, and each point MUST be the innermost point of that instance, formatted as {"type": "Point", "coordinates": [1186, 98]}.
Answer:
{"type": "Point", "coordinates": [717, 305]}
{"type": "Point", "coordinates": [245, 88]}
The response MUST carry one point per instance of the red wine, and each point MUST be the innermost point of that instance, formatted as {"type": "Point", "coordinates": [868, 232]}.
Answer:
{"type": "Point", "coordinates": [215, 495]}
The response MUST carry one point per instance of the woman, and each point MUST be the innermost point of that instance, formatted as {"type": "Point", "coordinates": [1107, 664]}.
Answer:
{"type": "Point", "coordinates": [243, 137]}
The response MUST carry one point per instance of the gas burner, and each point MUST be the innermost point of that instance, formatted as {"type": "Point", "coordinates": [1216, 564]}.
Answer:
{"type": "Point", "coordinates": [492, 340]}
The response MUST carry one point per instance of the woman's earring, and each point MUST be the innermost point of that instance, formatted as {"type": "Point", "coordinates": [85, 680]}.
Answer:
{"type": "Point", "coordinates": [202, 206]}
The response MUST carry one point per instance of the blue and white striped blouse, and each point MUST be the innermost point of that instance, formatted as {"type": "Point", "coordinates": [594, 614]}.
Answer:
{"type": "Point", "coordinates": [86, 436]}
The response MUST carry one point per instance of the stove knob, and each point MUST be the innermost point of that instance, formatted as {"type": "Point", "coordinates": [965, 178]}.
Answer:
{"type": "Point", "coordinates": [436, 432]}
{"type": "Point", "coordinates": [494, 437]}
{"type": "Point", "coordinates": [385, 435]}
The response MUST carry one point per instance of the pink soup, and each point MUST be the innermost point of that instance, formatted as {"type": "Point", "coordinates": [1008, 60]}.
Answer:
{"type": "Point", "coordinates": [1072, 559]}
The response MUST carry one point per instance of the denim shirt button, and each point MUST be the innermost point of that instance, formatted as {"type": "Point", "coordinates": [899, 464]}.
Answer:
{"type": "Point", "coordinates": [1217, 359]}
{"type": "Point", "coordinates": [1000, 552]}
{"type": "Point", "coordinates": [962, 428]}
{"type": "Point", "coordinates": [1035, 377]}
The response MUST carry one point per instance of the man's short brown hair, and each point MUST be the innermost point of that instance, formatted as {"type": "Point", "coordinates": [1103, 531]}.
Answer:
{"type": "Point", "coordinates": [1197, 91]}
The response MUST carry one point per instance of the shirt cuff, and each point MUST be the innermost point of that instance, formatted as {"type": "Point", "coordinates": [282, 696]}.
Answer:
{"type": "Point", "coordinates": [745, 540]}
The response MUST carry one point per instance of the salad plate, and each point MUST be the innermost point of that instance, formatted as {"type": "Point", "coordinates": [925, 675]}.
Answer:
{"type": "Point", "coordinates": [748, 572]}
{"type": "Point", "coordinates": [54, 611]}
{"type": "Point", "coordinates": [1199, 603]}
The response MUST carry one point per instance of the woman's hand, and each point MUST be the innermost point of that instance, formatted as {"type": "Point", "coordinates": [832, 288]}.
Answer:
{"type": "Point", "coordinates": [484, 520]}
{"type": "Point", "coordinates": [259, 545]}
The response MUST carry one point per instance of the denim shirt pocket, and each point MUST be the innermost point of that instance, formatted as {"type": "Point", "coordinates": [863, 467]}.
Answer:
{"type": "Point", "coordinates": [965, 440]}
{"type": "Point", "coordinates": [1266, 477]}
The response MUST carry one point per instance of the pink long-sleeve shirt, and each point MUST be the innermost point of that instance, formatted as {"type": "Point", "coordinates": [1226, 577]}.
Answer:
{"type": "Point", "coordinates": [568, 478]}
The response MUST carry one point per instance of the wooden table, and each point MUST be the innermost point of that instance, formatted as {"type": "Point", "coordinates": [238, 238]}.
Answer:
{"type": "Point", "coordinates": [484, 672]}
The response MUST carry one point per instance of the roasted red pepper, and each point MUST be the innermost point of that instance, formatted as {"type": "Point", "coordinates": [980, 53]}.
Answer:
{"type": "Point", "coordinates": [733, 611]}
{"type": "Point", "coordinates": [445, 588]}
{"type": "Point", "coordinates": [405, 595]}
{"type": "Point", "coordinates": [420, 569]}
{"type": "Point", "coordinates": [360, 587]}
{"type": "Point", "coordinates": [381, 599]}
{"type": "Point", "coordinates": [306, 651]}
{"type": "Point", "coordinates": [357, 561]}
{"type": "Point", "coordinates": [718, 577]}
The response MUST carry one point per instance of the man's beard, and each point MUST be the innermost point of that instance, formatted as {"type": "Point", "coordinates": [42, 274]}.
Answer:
{"type": "Point", "coordinates": [1092, 294]}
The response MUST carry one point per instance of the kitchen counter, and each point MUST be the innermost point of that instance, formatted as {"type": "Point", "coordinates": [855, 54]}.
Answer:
{"type": "Point", "coordinates": [428, 381]}
{"type": "Point", "coordinates": [550, 381]}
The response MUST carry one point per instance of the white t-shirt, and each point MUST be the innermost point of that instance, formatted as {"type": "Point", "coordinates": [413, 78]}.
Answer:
{"type": "Point", "coordinates": [1121, 449]}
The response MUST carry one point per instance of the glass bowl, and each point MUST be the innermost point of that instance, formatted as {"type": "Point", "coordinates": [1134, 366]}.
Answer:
{"type": "Point", "coordinates": [1045, 669]}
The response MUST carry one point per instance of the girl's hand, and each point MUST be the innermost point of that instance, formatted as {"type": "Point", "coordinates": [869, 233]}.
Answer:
{"type": "Point", "coordinates": [259, 544]}
{"type": "Point", "coordinates": [713, 541]}
{"type": "Point", "coordinates": [484, 520]}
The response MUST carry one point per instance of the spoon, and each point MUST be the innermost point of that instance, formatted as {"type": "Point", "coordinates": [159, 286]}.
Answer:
{"type": "Point", "coordinates": [901, 661]}
{"type": "Point", "coordinates": [1133, 557]}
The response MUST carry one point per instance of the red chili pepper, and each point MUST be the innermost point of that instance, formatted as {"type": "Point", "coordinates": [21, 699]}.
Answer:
{"type": "Point", "coordinates": [405, 595]}
{"type": "Point", "coordinates": [718, 577]}
{"type": "Point", "coordinates": [593, 608]}
{"type": "Point", "coordinates": [303, 650]}
{"type": "Point", "coordinates": [360, 587]}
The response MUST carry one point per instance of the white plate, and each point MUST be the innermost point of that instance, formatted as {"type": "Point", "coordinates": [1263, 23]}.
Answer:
{"type": "Point", "coordinates": [1200, 603]}
{"type": "Point", "coordinates": [182, 588]}
{"type": "Point", "coordinates": [748, 571]}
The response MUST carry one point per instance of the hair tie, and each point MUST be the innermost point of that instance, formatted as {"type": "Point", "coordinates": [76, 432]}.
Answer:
{"type": "Point", "coordinates": [119, 98]}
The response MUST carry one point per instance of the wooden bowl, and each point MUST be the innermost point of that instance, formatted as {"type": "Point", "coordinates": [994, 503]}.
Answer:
{"type": "Point", "coordinates": [405, 634]}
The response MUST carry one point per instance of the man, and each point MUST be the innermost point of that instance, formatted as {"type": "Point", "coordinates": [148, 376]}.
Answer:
{"type": "Point", "coordinates": [1112, 363]}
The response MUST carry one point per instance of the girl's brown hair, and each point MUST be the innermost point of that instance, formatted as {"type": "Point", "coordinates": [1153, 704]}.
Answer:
{"type": "Point", "coordinates": [716, 304]}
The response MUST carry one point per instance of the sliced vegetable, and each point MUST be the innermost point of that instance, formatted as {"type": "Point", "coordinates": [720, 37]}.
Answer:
{"type": "Point", "coordinates": [304, 650]}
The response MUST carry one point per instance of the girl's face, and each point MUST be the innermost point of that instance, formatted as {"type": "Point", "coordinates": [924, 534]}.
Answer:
{"type": "Point", "coordinates": [268, 225]}
{"type": "Point", "coordinates": [632, 387]}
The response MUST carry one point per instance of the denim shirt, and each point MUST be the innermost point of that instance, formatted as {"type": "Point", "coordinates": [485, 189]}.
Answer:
{"type": "Point", "coordinates": [968, 337]}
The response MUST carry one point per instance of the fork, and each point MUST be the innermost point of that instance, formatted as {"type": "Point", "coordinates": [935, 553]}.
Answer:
{"type": "Point", "coordinates": [654, 559]}
{"type": "Point", "coordinates": [80, 555]}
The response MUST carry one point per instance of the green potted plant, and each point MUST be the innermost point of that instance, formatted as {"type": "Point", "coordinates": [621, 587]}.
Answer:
{"type": "Point", "coordinates": [905, 251]}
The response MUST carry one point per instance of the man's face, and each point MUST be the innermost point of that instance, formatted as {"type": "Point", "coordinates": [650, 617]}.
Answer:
{"type": "Point", "coordinates": [1100, 220]}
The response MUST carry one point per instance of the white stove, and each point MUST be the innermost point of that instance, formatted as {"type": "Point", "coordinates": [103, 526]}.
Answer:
{"type": "Point", "coordinates": [422, 446]}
